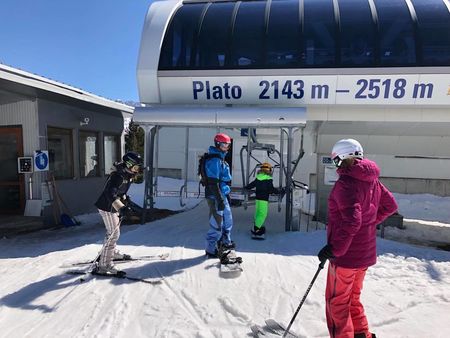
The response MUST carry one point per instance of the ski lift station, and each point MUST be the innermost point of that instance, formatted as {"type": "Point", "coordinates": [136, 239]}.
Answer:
{"type": "Point", "coordinates": [287, 79]}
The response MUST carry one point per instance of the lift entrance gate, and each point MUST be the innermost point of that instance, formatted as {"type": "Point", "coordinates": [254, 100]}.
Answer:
{"type": "Point", "coordinates": [289, 122]}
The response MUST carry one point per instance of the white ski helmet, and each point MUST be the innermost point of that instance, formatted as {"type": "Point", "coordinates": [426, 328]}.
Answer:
{"type": "Point", "coordinates": [346, 148]}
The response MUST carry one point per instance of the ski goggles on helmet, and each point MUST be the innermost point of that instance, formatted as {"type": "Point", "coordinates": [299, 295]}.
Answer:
{"type": "Point", "coordinates": [224, 145]}
{"type": "Point", "coordinates": [337, 161]}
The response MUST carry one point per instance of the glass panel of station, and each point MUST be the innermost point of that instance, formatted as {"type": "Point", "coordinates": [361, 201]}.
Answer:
{"type": "Point", "coordinates": [396, 33]}
{"type": "Point", "coordinates": [214, 37]}
{"type": "Point", "coordinates": [320, 33]}
{"type": "Point", "coordinates": [248, 36]}
{"type": "Point", "coordinates": [283, 44]}
{"type": "Point", "coordinates": [177, 48]}
{"type": "Point", "coordinates": [433, 19]}
{"type": "Point", "coordinates": [357, 34]}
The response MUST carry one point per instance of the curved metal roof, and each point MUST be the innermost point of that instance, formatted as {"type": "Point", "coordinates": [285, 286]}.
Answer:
{"type": "Point", "coordinates": [307, 34]}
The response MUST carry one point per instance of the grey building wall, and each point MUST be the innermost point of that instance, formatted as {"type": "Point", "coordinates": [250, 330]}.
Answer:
{"type": "Point", "coordinates": [78, 193]}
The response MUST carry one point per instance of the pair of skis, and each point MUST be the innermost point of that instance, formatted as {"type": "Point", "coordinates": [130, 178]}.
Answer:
{"type": "Point", "coordinates": [85, 273]}
{"type": "Point", "coordinates": [272, 329]}
{"type": "Point", "coordinates": [163, 256]}
{"type": "Point", "coordinates": [82, 273]}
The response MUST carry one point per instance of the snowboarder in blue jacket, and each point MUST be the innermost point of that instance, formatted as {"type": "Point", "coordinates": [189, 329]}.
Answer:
{"type": "Point", "coordinates": [217, 188]}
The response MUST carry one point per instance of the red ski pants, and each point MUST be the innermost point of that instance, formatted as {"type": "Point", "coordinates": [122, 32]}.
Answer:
{"type": "Point", "coordinates": [345, 313]}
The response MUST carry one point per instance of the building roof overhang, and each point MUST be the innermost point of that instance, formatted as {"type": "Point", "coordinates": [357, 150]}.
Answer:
{"type": "Point", "coordinates": [209, 117]}
{"type": "Point", "coordinates": [47, 88]}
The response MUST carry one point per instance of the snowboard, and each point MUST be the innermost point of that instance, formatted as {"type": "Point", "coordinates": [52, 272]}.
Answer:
{"type": "Point", "coordinates": [230, 262]}
{"type": "Point", "coordinates": [258, 237]}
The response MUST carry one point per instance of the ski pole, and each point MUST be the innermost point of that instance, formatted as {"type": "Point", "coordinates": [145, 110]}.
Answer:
{"type": "Point", "coordinates": [321, 265]}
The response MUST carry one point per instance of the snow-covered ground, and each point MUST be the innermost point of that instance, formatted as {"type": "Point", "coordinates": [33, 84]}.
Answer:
{"type": "Point", "coordinates": [407, 294]}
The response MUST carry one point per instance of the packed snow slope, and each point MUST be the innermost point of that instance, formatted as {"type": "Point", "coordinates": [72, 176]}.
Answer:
{"type": "Point", "coordinates": [407, 294]}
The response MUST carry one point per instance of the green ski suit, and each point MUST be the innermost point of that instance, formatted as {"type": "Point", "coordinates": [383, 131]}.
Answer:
{"type": "Point", "coordinates": [264, 187]}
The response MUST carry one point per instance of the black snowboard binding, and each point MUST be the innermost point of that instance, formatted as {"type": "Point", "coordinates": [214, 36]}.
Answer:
{"type": "Point", "coordinates": [226, 258]}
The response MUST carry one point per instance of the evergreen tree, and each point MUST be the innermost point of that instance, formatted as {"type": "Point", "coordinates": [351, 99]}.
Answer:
{"type": "Point", "coordinates": [134, 138]}
{"type": "Point", "coordinates": [134, 141]}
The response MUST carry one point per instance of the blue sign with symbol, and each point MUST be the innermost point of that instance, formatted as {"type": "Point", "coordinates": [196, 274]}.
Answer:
{"type": "Point", "coordinates": [41, 160]}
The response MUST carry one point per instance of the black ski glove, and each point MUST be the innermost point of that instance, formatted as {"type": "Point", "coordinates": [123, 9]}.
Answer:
{"type": "Point", "coordinates": [125, 211]}
{"type": "Point", "coordinates": [325, 253]}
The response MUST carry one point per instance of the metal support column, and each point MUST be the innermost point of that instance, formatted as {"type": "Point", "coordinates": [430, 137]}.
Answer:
{"type": "Point", "coordinates": [184, 187]}
{"type": "Point", "coordinates": [288, 225]}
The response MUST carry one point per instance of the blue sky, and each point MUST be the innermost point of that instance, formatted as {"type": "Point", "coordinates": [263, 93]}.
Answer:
{"type": "Point", "coordinates": [89, 44]}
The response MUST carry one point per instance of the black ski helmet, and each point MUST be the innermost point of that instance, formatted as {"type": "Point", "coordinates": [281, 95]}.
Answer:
{"type": "Point", "coordinates": [132, 158]}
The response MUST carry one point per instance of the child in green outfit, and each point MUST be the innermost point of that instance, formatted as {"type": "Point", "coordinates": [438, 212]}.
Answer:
{"type": "Point", "coordinates": [264, 187]}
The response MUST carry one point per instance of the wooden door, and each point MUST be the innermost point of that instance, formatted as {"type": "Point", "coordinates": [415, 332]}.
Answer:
{"type": "Point", "coordinates": [12, 189]}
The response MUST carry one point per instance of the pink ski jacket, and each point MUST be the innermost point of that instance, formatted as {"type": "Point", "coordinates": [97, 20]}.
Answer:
{"type": "Point", "coordinates": [357, 203]}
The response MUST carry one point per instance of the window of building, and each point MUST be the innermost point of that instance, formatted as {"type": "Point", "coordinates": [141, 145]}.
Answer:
{"type": "Point", "coordinates": [89, 154]}
{"type": "Point", "coordinates": [249, 35]}
{"type": "Point", "coordinates": [60, 152]}
{"type": "Point", "coordinates": [319, 33]}
{"type": "Point", "coordinates": [214, 37]}
{"type": "Point", "coordinates": [283, 35]}
{"type": "Point", "coordinates": [433, 19]}
{"type": "Point", "coordinates": [112, 151]}
{"type": "Point", "coordinates": [357, 36]}
{"type": "Point", "coordinates": [178, 44]}
{"type": "Point", "coordinates": [397, 42]}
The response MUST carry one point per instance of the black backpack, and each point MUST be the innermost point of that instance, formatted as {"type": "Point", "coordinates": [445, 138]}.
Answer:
{"type": "Point", "coordinates": [201, 172]}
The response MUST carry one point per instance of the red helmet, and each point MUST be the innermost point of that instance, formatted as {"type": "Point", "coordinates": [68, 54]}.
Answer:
{"type": "Point", "coordinates": [221, 138]}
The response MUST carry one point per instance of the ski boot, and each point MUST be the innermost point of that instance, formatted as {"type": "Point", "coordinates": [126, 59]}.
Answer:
{"type": "Point", "coordinates": [221, 246]}
{"type": "Point", "coordinates": [212, 255]}
{"type": "Point", "coordinates": [108, 271]}
{"type": "Point", "coordinates": [258, 233]}
{"type": "Point", "coordinates": [363, 335]}
{"type": "Point", "coordinates": [118, 256]}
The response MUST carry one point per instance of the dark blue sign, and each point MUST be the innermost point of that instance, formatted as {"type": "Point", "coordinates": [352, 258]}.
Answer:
{"type": "Point", "coordinates": [41, 160]}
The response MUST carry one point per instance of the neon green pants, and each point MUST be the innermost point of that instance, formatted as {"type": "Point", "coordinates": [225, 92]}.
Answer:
{"type": "Point", "coordinates": [261, 211]}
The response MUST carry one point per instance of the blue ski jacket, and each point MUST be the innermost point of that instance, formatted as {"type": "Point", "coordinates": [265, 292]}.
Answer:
{"type": "Point", "coordinates": [218, 172]}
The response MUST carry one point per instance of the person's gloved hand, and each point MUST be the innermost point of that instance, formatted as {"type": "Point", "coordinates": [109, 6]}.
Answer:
{"type": "Point", "coordinates": [220, 206]}
{"type": "Point", "coordinates": [325, 253]}
{"type": "Point", "coordinates": [125, 211]}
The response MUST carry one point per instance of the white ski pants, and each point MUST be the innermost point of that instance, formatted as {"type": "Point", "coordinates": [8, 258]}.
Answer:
{"type": "Point", "coordinates": [112, 225]}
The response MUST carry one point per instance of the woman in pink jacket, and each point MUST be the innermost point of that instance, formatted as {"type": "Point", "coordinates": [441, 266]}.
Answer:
{"type": "Point", "coordinates": [357, 203]}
